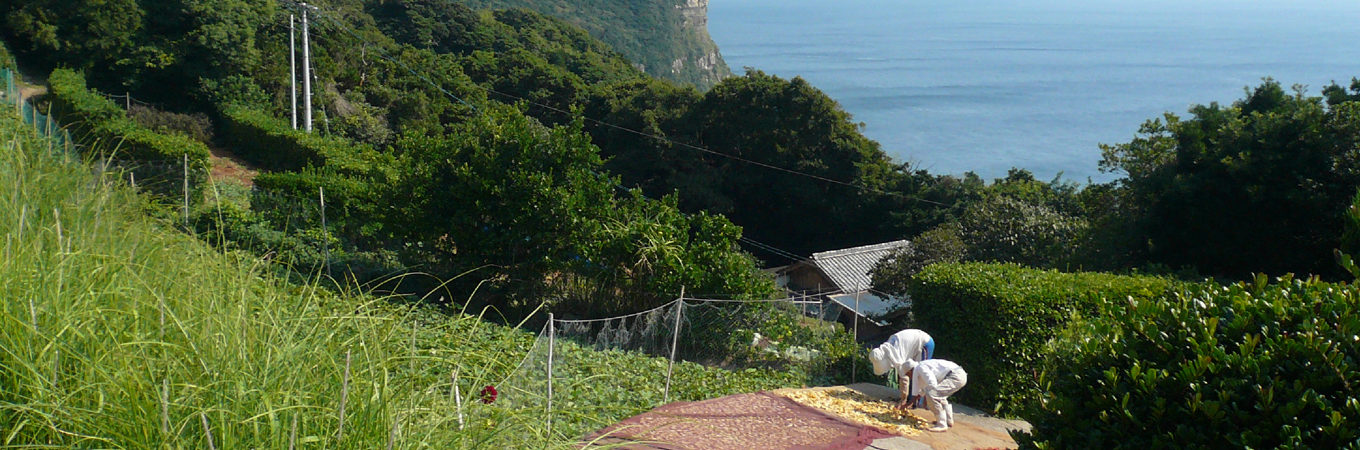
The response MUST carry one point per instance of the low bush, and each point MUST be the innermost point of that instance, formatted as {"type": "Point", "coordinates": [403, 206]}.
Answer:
{"type": "Point", "coordinates": [1248, 365]}
{"type": "Point", "coordinates": [272, 144]}
{"type": "Point", "coordinates": [994, 319]}
{"type": "Point", "coordinates": [196, 126]}
{"type": "Point", "coordinates": [6, 58]}
{"type": "Point", "coordinates": [100, 122]}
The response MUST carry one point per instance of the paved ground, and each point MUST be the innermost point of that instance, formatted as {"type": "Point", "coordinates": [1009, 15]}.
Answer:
{"type": "Point", "coordinates": [770, 421]}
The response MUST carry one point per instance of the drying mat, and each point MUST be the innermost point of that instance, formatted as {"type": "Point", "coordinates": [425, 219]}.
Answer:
{"type": "Point", "coordinates": [739, 422]}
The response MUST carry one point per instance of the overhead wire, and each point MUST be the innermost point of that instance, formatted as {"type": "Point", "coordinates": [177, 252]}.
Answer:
{"type": "Point", "coordinates": [665, 139]}
{"type": "Point", "coordinates": [382, 53]}
{"type": "Point", "coordinates": [766, 247]}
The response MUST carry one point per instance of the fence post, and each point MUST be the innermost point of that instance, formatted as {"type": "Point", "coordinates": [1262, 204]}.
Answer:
{"type": "Point", "coordinates": [675, 340]}
{"type": "Point", "coordinates": [458, 399]}
{"type": "Point", "coordinates": [552, 341]}
{"type": "Point", "coordinates": [325, 233]}
{"type": "Point", "coordinates": [854, 361]}
{"type": "Point", "coordinates": [344, 398]}
{"type": "Point", "coordinates": [186, 191]}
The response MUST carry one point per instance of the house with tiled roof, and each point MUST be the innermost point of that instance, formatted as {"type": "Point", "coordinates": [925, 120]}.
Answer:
{"type": "Point", "coordinates": [839, 281]}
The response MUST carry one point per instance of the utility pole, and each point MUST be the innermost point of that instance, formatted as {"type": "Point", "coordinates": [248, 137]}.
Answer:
{"type": "Point", "coordinates": [306, 72]}
{"type": "Point", "coordinates": [292, 65]}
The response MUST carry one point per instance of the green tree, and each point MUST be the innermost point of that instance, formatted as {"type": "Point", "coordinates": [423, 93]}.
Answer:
{"type": "Point", "coordinates": [530, 204]}
{"type": "Point", "coordinates": [893, 273]}
{"type": "Point", "coordinates": [1256, 186]}
{"type": "Point", "coordinates": [95, 36]}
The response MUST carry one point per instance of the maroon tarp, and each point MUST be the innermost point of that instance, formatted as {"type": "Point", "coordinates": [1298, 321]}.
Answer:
{"type": "Point", "coordinates": [746, 421]}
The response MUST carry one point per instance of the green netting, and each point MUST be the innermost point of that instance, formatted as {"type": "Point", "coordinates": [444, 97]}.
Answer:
{"type": "Point", "coordinates": [43, 124]}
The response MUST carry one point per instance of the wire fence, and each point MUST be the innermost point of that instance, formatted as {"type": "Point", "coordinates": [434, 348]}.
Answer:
{"type": "Point", "coordinates": [668, 342]}
{"type": "Point", "coordinates": [561, 369]}
{"type": "Point", "coordinates": [58, 137]}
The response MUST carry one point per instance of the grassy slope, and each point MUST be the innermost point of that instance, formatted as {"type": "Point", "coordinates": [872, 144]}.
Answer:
{"type": "Point", "coordinates": [88, 360]}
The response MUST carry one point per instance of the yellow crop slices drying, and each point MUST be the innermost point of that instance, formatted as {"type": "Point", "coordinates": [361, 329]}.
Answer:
{"type": "Point", "coordinates": [859, 408]}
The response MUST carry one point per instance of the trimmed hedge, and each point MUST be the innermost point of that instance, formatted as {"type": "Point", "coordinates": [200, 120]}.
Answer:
{"type": "Point", "coordinates": [994, 319]}
{"type": "Point", "coordinates": [273, 144]}
{"type": "Point", "coordinates": [1250, 365]}
{"type": "Point", "coordinates": [99, 118]}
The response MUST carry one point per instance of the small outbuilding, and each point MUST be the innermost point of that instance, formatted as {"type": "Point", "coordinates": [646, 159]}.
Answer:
{"type": "Point", "coordinates": [838, 280]}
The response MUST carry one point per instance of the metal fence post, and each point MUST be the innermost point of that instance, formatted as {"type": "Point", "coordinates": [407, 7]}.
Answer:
{"type": "Point", "coordinates": [552, 341]}
{"type": "Point", "coordinates": [186, 191]}
{"type": "Point", "coordinates": [325, 233]}
{"type": "Point", "coordinates": [675, 340]}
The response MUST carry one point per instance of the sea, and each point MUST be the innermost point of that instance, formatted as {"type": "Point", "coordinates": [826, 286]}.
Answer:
{"type": "Point", "coordinates": [953, 86]}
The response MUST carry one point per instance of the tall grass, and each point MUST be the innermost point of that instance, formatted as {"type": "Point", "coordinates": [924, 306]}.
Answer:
{"type": "Point", "coordinates": [116, 331]}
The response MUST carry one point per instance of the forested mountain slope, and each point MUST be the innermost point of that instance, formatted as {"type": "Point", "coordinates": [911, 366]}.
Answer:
{"type": "Point", "coordinates": [666, 38]}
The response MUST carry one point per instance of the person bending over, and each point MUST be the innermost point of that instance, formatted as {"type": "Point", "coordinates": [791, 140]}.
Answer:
{"type": "Point", "coordinates": [936, 380]}
{"type": "Point", "coordinates": [909, 344]}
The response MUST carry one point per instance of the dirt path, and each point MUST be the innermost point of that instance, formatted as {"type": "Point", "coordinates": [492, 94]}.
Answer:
{"type": "Point", "coordinates": [770, 420]}
{"type": "Point", "coordinates": [227, 166]}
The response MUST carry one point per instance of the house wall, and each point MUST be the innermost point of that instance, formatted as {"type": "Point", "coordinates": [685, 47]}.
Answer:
{"type": "Point", "coordinates": [804, 278]}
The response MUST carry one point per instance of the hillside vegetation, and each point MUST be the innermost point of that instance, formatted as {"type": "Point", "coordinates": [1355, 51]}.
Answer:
{"type": "Point", "coordinates": [654, 33]}
{"type": "Point", "coordinates": [120, 331]}
{"type": "Point", "coordinates": [518, 163]}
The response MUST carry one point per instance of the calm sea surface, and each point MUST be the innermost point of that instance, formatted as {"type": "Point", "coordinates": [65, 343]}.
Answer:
{"type": "Point", "coordinates": [986, 85]}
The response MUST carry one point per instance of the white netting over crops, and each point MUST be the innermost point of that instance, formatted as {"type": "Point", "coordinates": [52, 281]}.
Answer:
{"type": "Point", "coordinates": [627, 360]}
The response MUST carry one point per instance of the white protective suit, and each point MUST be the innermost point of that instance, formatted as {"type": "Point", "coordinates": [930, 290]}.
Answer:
{"type": "Point", "coordinates": [937, 379]}
{"type": "Point", "coordinates": [910, 344]}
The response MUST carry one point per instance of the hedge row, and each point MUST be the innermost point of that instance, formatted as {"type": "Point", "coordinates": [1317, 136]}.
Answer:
{"type": "Point", "coordinates": [6, 58]}
{"type": "Point", "coordinates": [994, 320]}
{"type": "Point", "coordinates": [1250, 365]}
{"type": "Point", "coordinates": [271, 143]}
{"type": "Point", "coordinates": [354, 205]}
{"type": "Point", "coordinates": [94, 118]}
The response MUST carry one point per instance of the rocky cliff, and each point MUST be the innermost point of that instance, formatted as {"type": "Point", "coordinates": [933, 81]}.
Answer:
{"type": "Point", "coordinates": [665, 38]}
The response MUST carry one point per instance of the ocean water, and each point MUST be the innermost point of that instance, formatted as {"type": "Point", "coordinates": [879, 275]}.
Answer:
{"type": "Point", "coordinates": [986, 85]}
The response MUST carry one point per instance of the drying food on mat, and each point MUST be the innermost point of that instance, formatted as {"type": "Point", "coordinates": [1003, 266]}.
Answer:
{"type": "Point", "coordinates": [859, 408]}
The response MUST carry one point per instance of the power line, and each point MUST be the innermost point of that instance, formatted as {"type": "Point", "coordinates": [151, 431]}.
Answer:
{"type": "Point", "coordinates": [384, 55]}
{"type": "Point", "coordinates": [766, 247]}
{"type": "Point", "coordinates": [668, 140]}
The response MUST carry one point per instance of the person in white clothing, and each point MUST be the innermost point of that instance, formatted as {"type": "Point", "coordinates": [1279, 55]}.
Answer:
{"type": "Point", "coordinates": [936, 380]}
{"type": "Point", "coordinates": [906, 345]}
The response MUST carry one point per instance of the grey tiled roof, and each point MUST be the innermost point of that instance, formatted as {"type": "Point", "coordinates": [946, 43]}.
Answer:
{"type": "Point", "coordinates": [849, 268]}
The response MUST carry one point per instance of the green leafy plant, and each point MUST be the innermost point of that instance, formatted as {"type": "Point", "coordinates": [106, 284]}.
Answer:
{"type": "Point", "coordinates": [1255, 364]}
{"type": "Point", "coordinates": [994, 319]}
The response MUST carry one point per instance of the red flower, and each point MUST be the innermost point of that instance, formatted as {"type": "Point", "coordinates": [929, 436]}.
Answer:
{"type": "Point", "coordinates": [488, 394]}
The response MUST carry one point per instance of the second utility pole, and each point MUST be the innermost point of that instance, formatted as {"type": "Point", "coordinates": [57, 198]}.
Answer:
{"type": "Point", "coordinates": [306, 72]}
{"type": "Point", "coordinates": [292, 66]}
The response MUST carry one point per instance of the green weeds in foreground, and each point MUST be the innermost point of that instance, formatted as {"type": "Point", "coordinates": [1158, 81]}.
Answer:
{"type": "Point", "coordinates": [117, 331]}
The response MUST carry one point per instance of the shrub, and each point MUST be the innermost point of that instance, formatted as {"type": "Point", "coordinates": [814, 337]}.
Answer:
{"type": "Point", "coordinates": [196, 126]}
{"type": "Point", "coordinates": [940, 244]}
{"type": "Point", "coordinates": [271, 143]}
{"type": "Point", "coordinates": [1249, 365]}
{"type": "Point", "coordinates": [1007, 229]}
{"type": "Point", "coordinates": [6, 58]}
{"type": "Point", "coordinates": [994, 319]}
{"type": "Point", "coordinates": [94, 118]}
{"type": "Point", "coordinates": [292, 200]}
